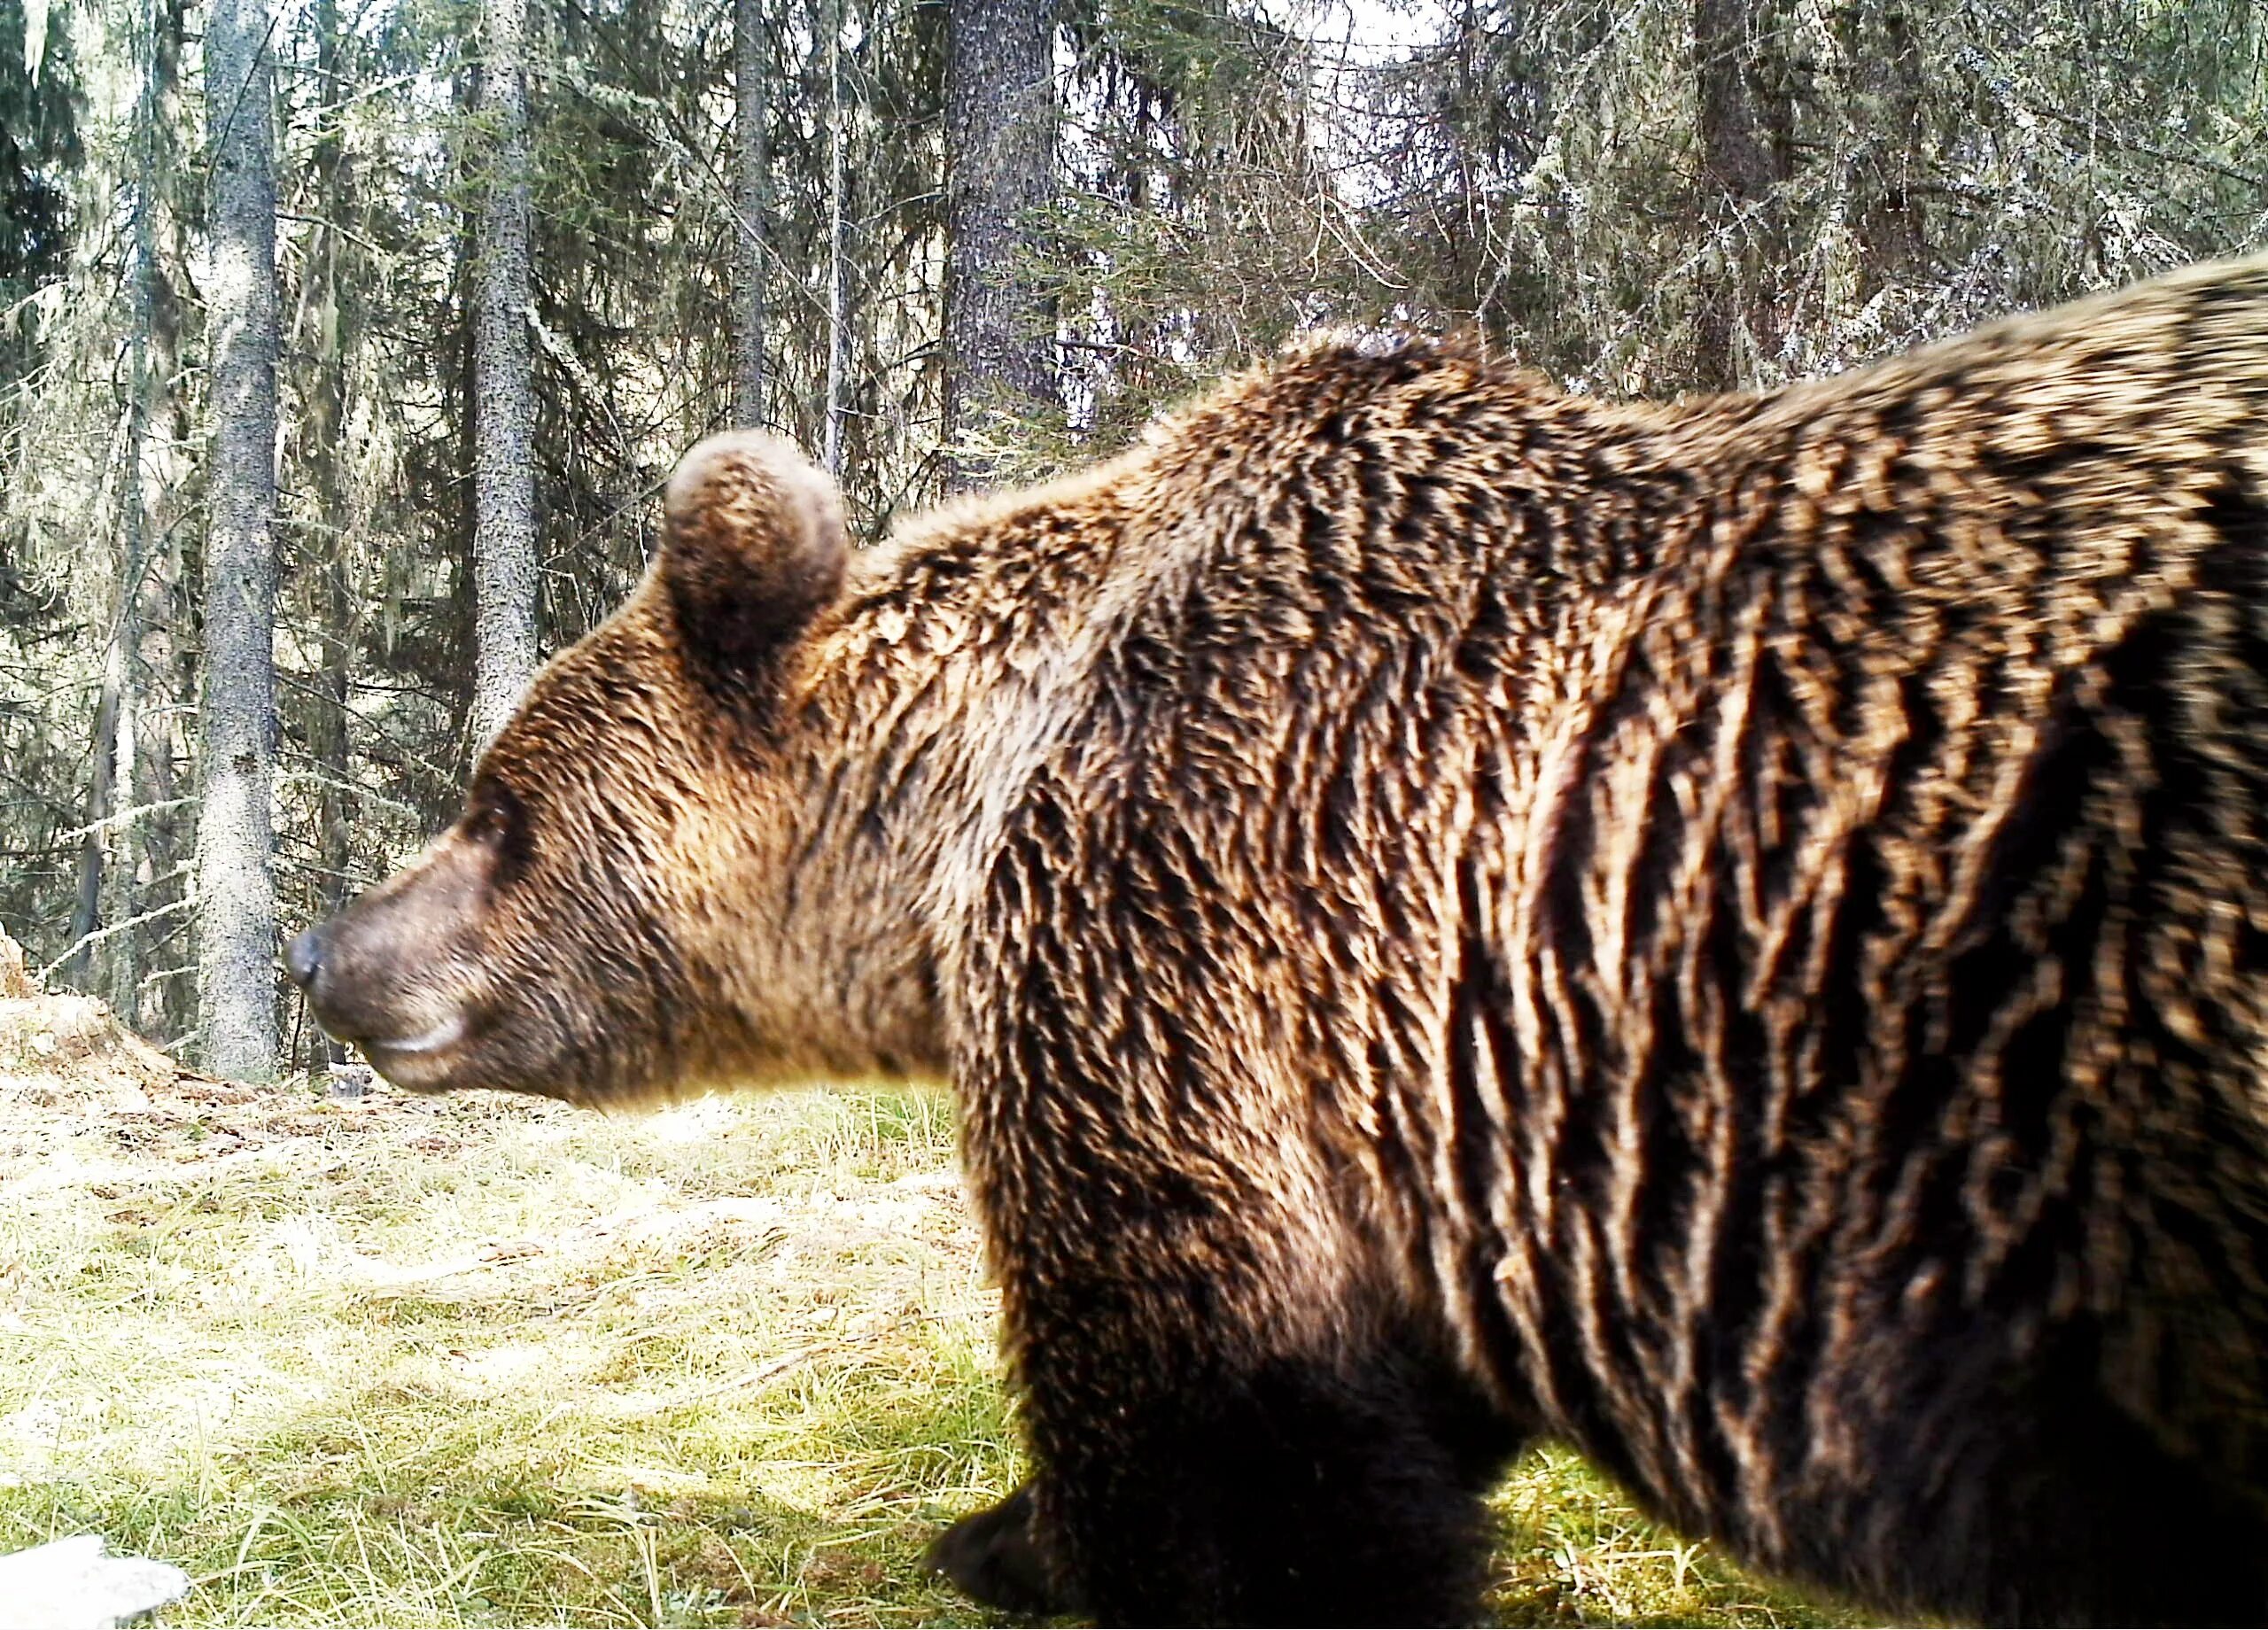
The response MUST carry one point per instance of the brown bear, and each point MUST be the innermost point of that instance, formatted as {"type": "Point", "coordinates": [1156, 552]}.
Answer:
{"type": "Point", "coordinates": [1731, 934]}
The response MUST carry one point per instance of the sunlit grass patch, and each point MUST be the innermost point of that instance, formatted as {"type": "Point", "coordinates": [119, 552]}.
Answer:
{"type": "Point", "coordinates": [490, 1361]}
{"type": "Point", "coordinates": [1575, 1551]}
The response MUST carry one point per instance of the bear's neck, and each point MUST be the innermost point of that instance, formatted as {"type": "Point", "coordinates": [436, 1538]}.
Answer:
{"type": "Point", "coordinates": [918, 684]}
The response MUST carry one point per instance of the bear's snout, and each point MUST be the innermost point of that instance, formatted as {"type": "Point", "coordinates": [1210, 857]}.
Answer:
{"type": "Point", "coordinates": [369, 983]}
{"type": "Point", "coordinates": [303, 957]}
{"type": "Point", "coordinates": [393, 973]}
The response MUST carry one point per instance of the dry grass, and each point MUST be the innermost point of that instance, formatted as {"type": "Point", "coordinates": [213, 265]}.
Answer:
{"type": "Point", "coordinates": [488, 1362]}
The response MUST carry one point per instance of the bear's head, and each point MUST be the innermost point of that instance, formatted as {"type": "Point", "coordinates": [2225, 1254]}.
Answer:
{"type": "Point", "coordinates": [605, 920]}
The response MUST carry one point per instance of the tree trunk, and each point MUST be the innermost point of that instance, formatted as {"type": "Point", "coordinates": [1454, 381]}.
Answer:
{"type": "Point", "coordinates": [1884, 113]}
{"type": "Point", "coordinates": [336, 610]}
{"type": "Point", "coordinates": [837, 334]}
{"type": "Point", "coordinates": [752, 204]}
{"type": "Point", "coordinates": [1001, 171]}
{"type": "Point", "coordinates": [157, 1010]}
{"type": "Point", "coordinates": [504, 565]}
{"type": "Point", "coordinates": [456, 631]}
{"type": "Point", "coordinates": [151, 993]}
{"type": "Point", "coordinates": [94, 844]}
{"type": "Point", "coordinates": [1743, 126]}
{"type": "Point", "coordinates": [235, 842]}
{"type": "Point", "coordinates": [116, 735]}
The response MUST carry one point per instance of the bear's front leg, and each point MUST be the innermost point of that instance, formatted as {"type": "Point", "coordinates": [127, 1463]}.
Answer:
{"type": "Point", "coordinates": [1178, 1485]}
{"type": "Point", "coordinates": [995, 1556]}
{"type": "Point", "coordinates": [1241, 1410]}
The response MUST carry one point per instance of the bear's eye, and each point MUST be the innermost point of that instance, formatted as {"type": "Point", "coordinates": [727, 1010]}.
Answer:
{"type": "Point", "coordinates": [495, 818]}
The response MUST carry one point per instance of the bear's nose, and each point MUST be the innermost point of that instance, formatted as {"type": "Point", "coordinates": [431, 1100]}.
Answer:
{"type": "Point", "coordinates": [303, 959]}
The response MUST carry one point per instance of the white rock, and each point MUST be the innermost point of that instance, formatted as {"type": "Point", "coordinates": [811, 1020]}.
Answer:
{"type": "Point", "coordinates": [74, 1585]}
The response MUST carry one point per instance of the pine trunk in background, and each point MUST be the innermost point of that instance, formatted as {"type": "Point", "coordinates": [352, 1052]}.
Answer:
{"type": "Point", "coordinates": [1882, 103]}
{"type": "Point", "coordinates": [235, 989]}
{"type": "Point", "coordinates": [752, 203]}
{"type": "Point", "coordinates": [138, 507]}
{"type": "Point", "coordinates": [135, 518]}
{"type": "Point", "coordinates": [151, 989]}
{"type": "Point", "coordinates": [503, 492]}
{"type": "Point", "coordinates": [116, 735]}
{"type": "Point", "coordinates": [328, 299]}
{"type": "Point", "coordinates": [94, 842]}
{"type": "Point", "coordinates": [1742, 122]}
{"type": "Point", "coordinates": [158, 1009]}
{"type": "Point", "coordinates": [838, 333]}
{"type": "Point", "coordinates": [1000, 172]}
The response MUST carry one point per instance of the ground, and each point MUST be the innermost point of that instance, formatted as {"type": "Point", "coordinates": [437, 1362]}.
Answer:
{"type": "Point", "coordinates": [484, 1362]}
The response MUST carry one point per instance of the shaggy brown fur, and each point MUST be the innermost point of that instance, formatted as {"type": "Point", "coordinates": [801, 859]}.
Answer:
{"type": "Point", "coordinates": [1734, 935]}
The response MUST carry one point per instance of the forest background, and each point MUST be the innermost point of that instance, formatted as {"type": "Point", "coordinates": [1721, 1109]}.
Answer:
{"type": "Point", "coordinates": [344, 343]}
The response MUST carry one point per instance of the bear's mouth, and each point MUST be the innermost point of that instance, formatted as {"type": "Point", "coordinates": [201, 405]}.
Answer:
{"type": "Point", "coordinates": [414, 1061]}
{"type": "Point", "coordinates": [448, 1033]}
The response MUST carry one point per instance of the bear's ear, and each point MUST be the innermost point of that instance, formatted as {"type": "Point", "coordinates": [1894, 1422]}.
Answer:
{"type": "Point", "coordinates": [752, 550]}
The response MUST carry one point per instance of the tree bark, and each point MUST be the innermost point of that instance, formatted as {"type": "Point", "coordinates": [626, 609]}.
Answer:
{"type": "Point", "coordinates": [504, 563]}
{"type": "Point", "coordinates": [837, 332]}
{"type": "Point", "coordinates": [150, 995]}
{"type": "Point", "coordinates": [1884, 113]}
{"type": "Point", "coordinates": [1000, 170]}
{"type": "Point", "coordinates": [339, 620]}
{"type": "Point", "coordinates": [158, 1009]}
{"type": "Point", "coordinates": [235, 841]}
{"type": "Point", "coordinates": [752, 203]}
{"type": "Point", "coordinates": [133, 565]}
{"type": "Point", "coordinates": [94, 844]}
{"type": "Point", "coordinates": [1743, 125]}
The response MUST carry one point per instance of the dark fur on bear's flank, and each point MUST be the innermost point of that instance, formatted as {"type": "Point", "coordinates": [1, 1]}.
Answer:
{"type": "Point", "coordinates": [1732, 935]}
